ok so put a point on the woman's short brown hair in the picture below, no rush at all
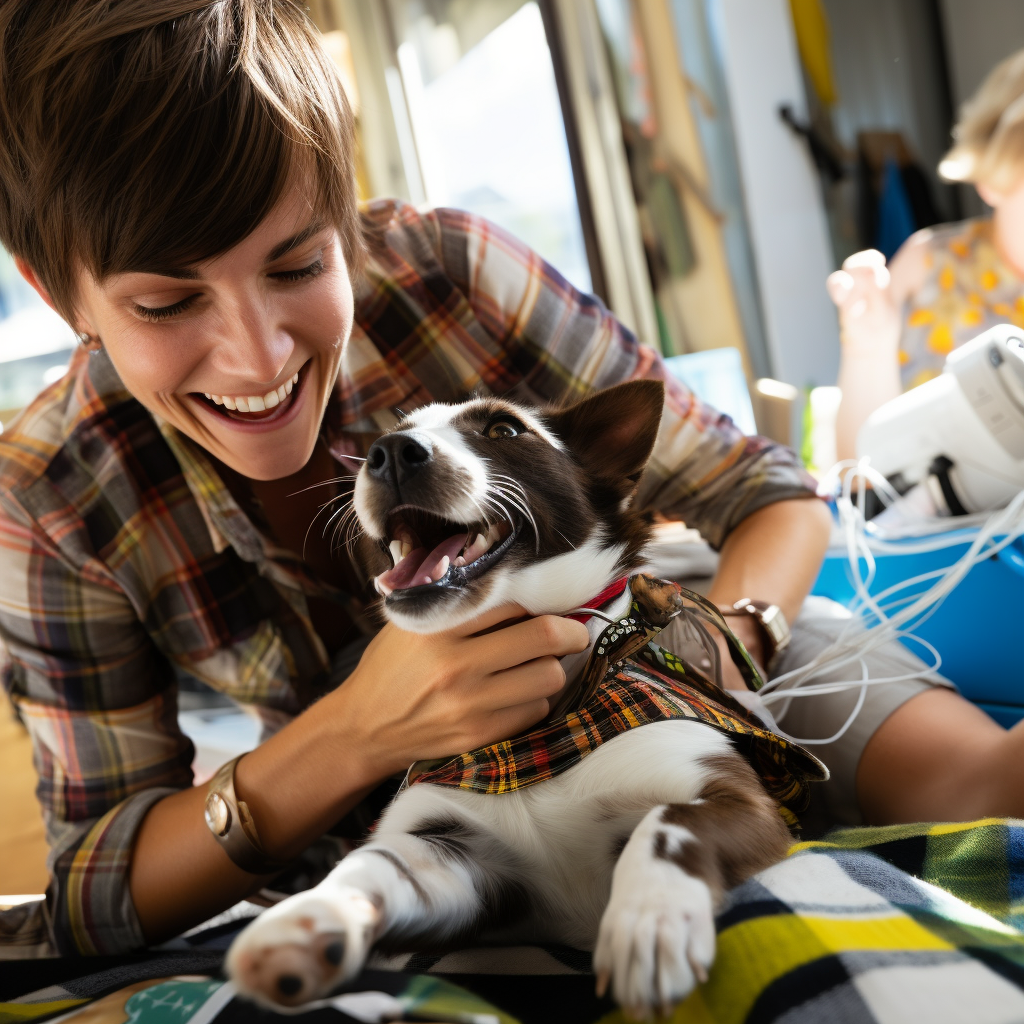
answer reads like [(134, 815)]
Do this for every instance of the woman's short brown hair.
[(145, 134), (989, 137)]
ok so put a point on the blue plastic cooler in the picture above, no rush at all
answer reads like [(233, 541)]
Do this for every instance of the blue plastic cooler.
[(978, 628)]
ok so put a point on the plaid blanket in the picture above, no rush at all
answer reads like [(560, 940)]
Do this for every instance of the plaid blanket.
[(868, 926), (897, 924)]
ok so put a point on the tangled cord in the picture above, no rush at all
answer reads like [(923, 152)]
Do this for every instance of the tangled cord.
[(889, 615)]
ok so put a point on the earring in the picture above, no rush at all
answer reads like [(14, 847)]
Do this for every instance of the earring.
[(90, 342)]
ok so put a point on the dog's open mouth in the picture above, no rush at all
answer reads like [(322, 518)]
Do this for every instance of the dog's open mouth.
[(430, 551)]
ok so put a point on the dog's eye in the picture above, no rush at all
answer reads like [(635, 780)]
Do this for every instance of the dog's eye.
[(503, 428)]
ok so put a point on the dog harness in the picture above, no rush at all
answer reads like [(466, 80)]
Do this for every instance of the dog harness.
[(629, 681)]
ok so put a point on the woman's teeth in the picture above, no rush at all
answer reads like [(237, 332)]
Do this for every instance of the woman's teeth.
[(255, 403)]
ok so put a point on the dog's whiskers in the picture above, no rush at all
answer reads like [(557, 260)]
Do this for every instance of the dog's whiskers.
[(348, 517), (512, 483), (566, 539), (519, 503), (347, 498), (324, 483), (344, 526)]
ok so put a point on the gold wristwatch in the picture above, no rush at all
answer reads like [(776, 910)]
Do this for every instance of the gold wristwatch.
[(229, 820), (774, 627)]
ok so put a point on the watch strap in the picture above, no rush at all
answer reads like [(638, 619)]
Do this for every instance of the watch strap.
[(774, 628), (230, 823)]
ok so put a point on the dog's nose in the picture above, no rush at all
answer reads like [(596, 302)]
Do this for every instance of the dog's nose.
[(396, 456)]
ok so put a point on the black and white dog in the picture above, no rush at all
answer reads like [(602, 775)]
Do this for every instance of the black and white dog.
[(626, 852)]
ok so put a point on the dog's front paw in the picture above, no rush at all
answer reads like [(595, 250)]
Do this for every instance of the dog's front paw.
[(655, 946), (304, 947)]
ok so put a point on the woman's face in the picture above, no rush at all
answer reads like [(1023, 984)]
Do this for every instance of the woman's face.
[(241, 352)]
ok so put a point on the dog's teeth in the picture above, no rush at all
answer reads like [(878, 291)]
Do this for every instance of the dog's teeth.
[(443, 567), (381, 587), (460, 562), (395, 547), (406, 547), (476, 548)]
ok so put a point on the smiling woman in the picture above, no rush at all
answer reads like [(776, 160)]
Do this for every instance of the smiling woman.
[(176, 180), (260, 326)]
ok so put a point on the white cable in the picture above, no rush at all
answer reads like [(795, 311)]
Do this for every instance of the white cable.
[(881, 618)]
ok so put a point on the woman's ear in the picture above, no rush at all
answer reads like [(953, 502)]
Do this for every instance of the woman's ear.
[(33, 279)]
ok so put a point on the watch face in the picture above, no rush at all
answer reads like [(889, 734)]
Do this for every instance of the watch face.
[(217, 814)]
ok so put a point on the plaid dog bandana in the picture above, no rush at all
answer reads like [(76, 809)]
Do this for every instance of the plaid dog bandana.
[(629, 681)]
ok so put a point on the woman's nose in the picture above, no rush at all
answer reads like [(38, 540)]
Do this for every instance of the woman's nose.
[(253, 346)]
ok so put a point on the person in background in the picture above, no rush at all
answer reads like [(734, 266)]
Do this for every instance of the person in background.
[(946, 284)]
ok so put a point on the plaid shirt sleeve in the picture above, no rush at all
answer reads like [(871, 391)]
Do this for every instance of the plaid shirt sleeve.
[(101, 709), (565, 344)]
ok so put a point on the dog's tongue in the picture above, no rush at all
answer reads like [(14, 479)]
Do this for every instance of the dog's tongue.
[(418, 567)]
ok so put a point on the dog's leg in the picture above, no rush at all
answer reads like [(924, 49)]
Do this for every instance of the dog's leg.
[(430, 875), (657, 936)]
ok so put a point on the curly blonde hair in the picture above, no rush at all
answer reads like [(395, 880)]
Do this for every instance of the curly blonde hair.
[(988, 140)]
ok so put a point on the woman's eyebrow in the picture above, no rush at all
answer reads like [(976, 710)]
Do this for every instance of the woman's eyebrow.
[(285, 247), (186, 273)]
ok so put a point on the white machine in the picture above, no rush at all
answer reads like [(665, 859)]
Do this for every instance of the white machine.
[(961, 434), (952, 446)]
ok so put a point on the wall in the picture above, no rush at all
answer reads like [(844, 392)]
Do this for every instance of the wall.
[(888, 65), (781, 189)]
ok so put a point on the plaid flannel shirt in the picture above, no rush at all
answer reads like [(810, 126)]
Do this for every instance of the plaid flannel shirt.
[(125, 561)]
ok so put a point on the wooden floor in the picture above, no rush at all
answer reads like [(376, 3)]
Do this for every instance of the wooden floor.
[(22, 846)]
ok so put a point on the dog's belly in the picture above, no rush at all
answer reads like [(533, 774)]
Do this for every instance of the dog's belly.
[(564, 835)]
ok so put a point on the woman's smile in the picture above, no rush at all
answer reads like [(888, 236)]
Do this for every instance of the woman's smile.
[(269, 411), (253, 348)]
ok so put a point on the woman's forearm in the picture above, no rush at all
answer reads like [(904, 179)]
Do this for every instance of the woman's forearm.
[(412, 696), (297, 785), (774, 555)]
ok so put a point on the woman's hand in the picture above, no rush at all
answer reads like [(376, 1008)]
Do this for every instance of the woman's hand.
[(416, 696), (869, 320)]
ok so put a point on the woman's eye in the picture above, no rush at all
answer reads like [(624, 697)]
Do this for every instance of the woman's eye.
[(314, 268), (154, 313), (162, 312), (503, 428)]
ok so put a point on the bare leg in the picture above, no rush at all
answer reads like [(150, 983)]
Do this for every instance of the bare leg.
[(657, 936), (939, 758)]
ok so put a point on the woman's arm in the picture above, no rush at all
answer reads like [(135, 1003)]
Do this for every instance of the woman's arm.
[(411, 697), (773, 555), (132, 859)]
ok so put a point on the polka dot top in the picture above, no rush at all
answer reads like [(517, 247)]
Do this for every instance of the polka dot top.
[(967, 289)]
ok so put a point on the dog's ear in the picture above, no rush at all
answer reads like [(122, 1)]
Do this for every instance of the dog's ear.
[(612, 433)]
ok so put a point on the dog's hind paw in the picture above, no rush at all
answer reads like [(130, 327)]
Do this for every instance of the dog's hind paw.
[(304, 947), (655, 947)]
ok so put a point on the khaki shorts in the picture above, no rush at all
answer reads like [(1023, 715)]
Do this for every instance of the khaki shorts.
[(835, 802)]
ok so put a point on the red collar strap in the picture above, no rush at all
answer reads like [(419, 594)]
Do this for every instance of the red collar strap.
[(612, 591)]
